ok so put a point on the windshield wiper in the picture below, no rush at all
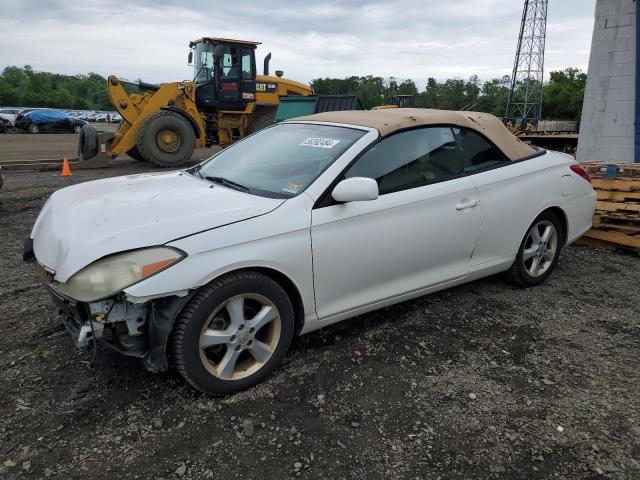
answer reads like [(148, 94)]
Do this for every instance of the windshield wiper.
[(228, 183)]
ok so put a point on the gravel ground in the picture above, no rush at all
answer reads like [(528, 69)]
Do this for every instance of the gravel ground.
[(480, 381)]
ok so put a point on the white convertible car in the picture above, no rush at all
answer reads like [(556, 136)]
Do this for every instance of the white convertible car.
[(296, 227)]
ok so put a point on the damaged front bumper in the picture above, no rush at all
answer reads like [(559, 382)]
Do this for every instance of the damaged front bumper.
[(74, 316), (135, 330), (86, 322)]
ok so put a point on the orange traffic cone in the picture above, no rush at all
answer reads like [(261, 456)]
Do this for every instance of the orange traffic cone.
[(66, 170)]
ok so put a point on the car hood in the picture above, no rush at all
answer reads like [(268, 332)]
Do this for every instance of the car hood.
[(85, 222)]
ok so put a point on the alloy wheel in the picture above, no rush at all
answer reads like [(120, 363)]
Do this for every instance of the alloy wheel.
[(540, 248), (240, 336)]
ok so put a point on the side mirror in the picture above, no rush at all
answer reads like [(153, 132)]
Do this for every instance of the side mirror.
[(355, 189), (190, 58)]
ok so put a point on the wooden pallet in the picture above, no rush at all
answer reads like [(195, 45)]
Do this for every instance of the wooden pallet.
[(599, 169), (604, 245), (618, 185), (617, 207), (616, 222)]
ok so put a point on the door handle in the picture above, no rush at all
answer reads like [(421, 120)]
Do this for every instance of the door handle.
[(467, 204)]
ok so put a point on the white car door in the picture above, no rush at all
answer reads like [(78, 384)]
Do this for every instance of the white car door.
[(421, 231)]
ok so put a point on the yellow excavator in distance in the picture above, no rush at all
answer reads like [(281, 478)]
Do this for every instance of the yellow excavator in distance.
[(225, 101), (397, 101)]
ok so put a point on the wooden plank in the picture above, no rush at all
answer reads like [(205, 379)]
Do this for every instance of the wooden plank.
[(620, 216), (614, 207), (613, 237), (621, 184), (626, 229), (593, 243), (617, 196), (625, 167)]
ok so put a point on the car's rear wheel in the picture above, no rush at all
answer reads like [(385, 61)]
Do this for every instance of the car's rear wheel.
[(77, 128), (233, 333), (33, 128), (539, 251)]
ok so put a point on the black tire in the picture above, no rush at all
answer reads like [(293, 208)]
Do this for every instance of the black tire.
[(77, 128), (519, 273), (88, 143), (185, 340), (33, 128), (135, 154), (170, 154)]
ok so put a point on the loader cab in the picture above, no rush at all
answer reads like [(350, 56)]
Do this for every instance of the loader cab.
[(402, 101), (224, 73)]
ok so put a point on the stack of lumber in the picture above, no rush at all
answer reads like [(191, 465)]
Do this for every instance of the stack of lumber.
[(616, 222)]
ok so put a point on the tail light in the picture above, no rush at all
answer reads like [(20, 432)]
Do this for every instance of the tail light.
[(580, 171)]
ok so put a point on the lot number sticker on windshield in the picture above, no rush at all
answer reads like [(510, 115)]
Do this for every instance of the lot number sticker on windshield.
[(317, 142), (292, 187)]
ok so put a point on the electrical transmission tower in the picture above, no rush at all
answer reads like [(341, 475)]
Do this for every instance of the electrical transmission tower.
[(525, 94)]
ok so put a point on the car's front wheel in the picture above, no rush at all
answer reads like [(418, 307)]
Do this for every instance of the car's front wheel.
[(33, 128), (539, 251), (77, 128), (233, 333)]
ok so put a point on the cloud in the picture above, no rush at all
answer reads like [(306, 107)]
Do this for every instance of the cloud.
[(405, 38)]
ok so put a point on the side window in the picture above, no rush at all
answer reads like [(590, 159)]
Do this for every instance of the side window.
[(409, 159), (229, 62), (247, 72), (476, 152)]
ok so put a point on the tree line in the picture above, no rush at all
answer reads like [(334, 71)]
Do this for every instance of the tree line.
[(562, 95), (24, 87)]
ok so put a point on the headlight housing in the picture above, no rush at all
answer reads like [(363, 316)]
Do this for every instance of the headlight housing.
[(114, 273)]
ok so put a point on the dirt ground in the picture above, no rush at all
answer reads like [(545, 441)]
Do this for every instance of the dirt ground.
[(24, 147), (480, 381)]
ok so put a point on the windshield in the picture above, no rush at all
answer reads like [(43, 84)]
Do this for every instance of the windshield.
[(280, 161), (203, 63)]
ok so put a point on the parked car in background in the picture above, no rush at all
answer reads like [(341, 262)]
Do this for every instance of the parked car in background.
[(46, 120), (101, 117), (5, 125), (301, 225), (9, 114)]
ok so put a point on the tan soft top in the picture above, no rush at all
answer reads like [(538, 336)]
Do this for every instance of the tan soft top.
[(388, 121)]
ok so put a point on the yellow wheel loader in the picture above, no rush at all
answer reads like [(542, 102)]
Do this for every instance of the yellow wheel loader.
[(225, 101), (397, 101)]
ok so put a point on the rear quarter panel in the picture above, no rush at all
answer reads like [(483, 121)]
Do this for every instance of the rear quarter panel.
[(511, 197)]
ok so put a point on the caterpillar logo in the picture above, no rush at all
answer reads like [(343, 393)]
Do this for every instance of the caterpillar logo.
[(266, 87)]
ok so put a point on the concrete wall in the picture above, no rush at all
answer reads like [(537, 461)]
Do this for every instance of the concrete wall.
[(607, 128)]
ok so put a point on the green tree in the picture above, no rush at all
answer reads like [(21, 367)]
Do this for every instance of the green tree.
[(563, 96), (24, 87)]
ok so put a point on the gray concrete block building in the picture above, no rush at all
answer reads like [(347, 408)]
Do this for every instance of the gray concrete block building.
[(611, 103)]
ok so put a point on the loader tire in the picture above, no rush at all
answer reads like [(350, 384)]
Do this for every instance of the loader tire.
[(165, 139), (87, 143), (135, 154)]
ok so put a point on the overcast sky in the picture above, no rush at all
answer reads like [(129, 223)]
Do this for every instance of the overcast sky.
[(316, 38)]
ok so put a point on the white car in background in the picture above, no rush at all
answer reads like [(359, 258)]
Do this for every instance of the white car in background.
[(298, 226), (9, 114)]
